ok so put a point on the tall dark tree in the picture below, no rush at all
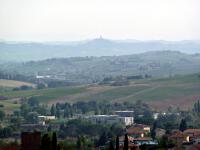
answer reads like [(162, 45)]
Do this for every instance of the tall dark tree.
[(111, 146), (126, 142), (117, 143), (79, 144), (153, 130), (183, 125), (2, 115), (33, 102), (198, 107), (58, 147), (103, 139), (58, 112), (54, 141), (53, 110), (66, 113), (45, 142)]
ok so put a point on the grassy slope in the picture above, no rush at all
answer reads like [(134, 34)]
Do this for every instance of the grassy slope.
[(12, 83), (179, 91)]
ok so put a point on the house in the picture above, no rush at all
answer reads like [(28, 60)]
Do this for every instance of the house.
[(194, 135), (145, 128), (138, 130), (160, 132), (43, 119), (179, 137), (192, 132), (127, 121), (47, 117), (144, 140), (131, 144), (155, 115), (135, 132)]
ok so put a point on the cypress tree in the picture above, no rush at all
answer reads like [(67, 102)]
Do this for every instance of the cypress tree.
[(126, 142), (58, 147), (103, 139), (117, 143), (153, 131), (54, 141), (183, 125), (53, 110), (58, 112), (45, 142), (111, 146)]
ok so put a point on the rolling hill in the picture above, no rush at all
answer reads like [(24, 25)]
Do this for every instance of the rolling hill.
[(19, 51), (95, 69), (160, 93)]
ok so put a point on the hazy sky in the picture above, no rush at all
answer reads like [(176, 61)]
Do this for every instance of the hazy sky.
[(62, 20)]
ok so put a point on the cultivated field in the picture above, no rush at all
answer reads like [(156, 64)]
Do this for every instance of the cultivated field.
[(12, 83), (178, 91)]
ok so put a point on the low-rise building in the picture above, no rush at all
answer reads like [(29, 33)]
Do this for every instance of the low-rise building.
[(43, 119), (194, 135), (179, 137), (131, 144), (135, 132), (126, 113), (145, 140), (110, 119)]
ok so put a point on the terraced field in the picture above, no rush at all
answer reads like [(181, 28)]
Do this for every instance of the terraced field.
[(178, 91)]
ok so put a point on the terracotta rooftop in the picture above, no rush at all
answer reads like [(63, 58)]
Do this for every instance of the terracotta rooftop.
[(177, 134), (134, 130), (192, 131), (141, 125)]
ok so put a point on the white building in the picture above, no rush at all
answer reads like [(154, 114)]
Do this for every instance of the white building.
[(126, 113), (127, 121), (110, 119), (42, 119)]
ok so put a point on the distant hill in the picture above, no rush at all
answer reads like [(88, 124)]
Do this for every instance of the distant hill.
[(89, 69), (13, 51)]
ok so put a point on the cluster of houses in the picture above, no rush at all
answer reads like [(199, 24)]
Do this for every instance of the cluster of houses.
[(186, 140), (138, 134)]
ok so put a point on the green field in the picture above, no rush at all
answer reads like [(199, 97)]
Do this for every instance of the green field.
[(44, 94), (178, 91)]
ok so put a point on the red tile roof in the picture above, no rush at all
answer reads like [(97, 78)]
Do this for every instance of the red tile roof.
[(134, 130)]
